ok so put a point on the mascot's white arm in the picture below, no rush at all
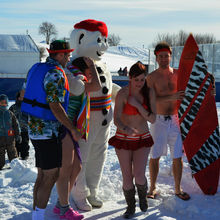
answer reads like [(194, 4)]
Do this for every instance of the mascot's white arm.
[(115, 89), (76, 85)]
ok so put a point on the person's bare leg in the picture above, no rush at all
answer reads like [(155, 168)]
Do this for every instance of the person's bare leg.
[(63, 182), (36, 186), (140, 158), (154, 170), (177, 173), (49, 177), (75, 170), (125, 160)]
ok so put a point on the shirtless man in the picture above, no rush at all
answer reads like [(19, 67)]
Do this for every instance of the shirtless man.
[(165, 130)]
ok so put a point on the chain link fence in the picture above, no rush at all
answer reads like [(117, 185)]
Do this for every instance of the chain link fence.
[(211, 55)]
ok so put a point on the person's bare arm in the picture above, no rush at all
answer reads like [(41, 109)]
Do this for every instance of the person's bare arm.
[(115, 89), (94, 84), (145, 113), (175, 96), (62, 117), (152, 116), (118, 109), (179, 95)]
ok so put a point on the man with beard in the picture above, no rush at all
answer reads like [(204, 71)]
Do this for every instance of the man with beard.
[(166, 130), (23, 146)]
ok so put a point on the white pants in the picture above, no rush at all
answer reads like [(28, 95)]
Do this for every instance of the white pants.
[(166, 132)]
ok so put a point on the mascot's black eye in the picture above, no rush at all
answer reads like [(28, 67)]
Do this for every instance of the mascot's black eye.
[(80, 38), (99, 40), (105, 40)]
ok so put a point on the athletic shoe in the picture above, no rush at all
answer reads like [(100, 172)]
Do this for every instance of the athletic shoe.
[(75, 215), (56, 210), (72, 215)]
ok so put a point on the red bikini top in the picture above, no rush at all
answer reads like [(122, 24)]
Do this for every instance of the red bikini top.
[(130, 109)]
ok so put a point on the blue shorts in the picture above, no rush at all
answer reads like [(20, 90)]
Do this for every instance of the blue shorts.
[(48, 153)]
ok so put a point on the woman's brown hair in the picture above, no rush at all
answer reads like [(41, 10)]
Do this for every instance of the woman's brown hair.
[(80, 63), (136, 70)]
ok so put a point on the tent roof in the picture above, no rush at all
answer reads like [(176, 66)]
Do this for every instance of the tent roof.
[(17, 43)]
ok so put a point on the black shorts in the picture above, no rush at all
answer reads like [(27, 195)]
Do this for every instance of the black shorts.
[(48, 153)]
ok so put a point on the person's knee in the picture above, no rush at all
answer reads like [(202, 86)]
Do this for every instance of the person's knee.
[(66, 168), (139, 178), (50, 177), (154, 161), (177, 160)]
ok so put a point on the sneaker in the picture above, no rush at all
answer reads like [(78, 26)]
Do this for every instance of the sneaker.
[(95, 201), (72, 215), (56, 210), (83, 204)]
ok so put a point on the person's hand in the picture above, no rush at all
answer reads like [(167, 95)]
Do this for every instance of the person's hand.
[(178, 95), (213, 91), (76, 134), (133, 101), (130, 131)]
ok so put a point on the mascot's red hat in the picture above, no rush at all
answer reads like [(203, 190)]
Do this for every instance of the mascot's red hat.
[(93, 25)]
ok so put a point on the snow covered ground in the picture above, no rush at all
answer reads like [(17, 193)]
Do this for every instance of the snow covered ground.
[(122, 56), (17, 181)]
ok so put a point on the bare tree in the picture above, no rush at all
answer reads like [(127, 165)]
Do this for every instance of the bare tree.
[(180, 38), (48, 30), (205, 38), (113, 40)]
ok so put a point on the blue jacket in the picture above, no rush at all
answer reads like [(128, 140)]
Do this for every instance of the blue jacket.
[(34, 102)]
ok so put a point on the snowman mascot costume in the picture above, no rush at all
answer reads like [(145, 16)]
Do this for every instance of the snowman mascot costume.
[(89, 38)]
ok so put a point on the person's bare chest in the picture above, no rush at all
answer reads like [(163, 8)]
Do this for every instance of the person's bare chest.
[(165, 84)]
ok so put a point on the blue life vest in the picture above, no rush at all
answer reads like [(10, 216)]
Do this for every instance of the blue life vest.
[(34, 102)]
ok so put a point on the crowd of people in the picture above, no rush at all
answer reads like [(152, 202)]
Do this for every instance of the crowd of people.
[(48, 110)]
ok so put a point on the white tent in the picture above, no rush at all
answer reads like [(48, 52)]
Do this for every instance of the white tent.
[(17, 54)]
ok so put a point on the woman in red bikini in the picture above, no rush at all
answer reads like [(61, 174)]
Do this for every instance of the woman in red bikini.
[(134, 107)]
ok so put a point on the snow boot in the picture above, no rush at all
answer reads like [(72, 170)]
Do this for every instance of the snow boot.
[(95, 201), (142, 193), (83, 204), (130, 199)]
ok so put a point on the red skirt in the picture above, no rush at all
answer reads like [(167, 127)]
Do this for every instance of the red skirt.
[(123, 141)]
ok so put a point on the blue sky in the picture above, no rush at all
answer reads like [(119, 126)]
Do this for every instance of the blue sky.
[(136, 22)]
